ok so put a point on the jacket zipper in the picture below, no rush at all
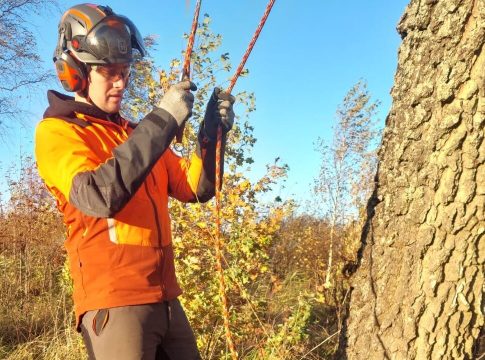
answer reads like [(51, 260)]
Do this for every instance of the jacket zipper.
[(162, 260), (159, 234)]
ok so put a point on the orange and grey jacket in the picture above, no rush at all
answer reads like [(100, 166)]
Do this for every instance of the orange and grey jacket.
[(112, 180)]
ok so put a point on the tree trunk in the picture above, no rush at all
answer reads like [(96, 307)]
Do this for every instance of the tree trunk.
[(328, 280), (418, 292)]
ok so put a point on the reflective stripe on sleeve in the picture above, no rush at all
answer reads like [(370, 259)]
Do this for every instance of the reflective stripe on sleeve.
[(112, 231)]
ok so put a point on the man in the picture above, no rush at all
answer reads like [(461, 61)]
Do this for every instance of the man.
[(112, 179)]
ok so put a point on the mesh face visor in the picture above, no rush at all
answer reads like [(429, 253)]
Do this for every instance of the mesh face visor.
[(111, 41)]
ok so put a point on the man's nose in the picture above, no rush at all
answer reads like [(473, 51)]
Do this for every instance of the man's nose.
[(121, 83)]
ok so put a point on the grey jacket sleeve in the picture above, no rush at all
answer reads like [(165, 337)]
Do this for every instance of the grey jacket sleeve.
[(106, 190)]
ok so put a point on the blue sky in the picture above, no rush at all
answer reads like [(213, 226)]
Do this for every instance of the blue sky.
[(308, 56)]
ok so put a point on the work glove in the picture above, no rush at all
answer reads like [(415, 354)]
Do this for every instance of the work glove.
[(219, 111), (178, 101)]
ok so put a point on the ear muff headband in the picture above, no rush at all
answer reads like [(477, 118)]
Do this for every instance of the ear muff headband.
[(71, 74)]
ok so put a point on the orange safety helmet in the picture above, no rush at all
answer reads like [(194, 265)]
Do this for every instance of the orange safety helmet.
[(93, 34)]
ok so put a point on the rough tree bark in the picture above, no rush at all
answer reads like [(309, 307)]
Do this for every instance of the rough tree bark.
[(419, 290)]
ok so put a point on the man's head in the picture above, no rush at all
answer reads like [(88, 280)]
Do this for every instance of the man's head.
[(94, 52), (105, 86)]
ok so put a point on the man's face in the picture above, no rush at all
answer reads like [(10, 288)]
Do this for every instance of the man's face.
[(107, 84)]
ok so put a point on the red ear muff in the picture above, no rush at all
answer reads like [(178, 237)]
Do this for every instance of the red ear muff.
[(70, 73)]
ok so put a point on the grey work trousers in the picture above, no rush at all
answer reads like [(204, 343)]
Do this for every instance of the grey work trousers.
[(158, 331)]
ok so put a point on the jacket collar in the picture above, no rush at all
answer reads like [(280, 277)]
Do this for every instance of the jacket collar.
[(65, 106)]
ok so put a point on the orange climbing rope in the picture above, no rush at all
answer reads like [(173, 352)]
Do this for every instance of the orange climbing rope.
[(219, 246), (219, 243), (190, 42), (188, 54), (222, 289), (250, 46), (219, 239)]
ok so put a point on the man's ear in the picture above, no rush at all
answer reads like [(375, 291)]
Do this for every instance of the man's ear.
[(83, 95), (88, 72), (85, 92)]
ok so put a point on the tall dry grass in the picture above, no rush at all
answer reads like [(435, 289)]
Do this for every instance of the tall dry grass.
[(36, 318)]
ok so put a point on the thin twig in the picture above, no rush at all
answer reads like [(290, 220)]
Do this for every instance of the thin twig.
[(323, 342)]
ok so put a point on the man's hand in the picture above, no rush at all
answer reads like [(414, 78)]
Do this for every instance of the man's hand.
[(219, 111), (178, 101)]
